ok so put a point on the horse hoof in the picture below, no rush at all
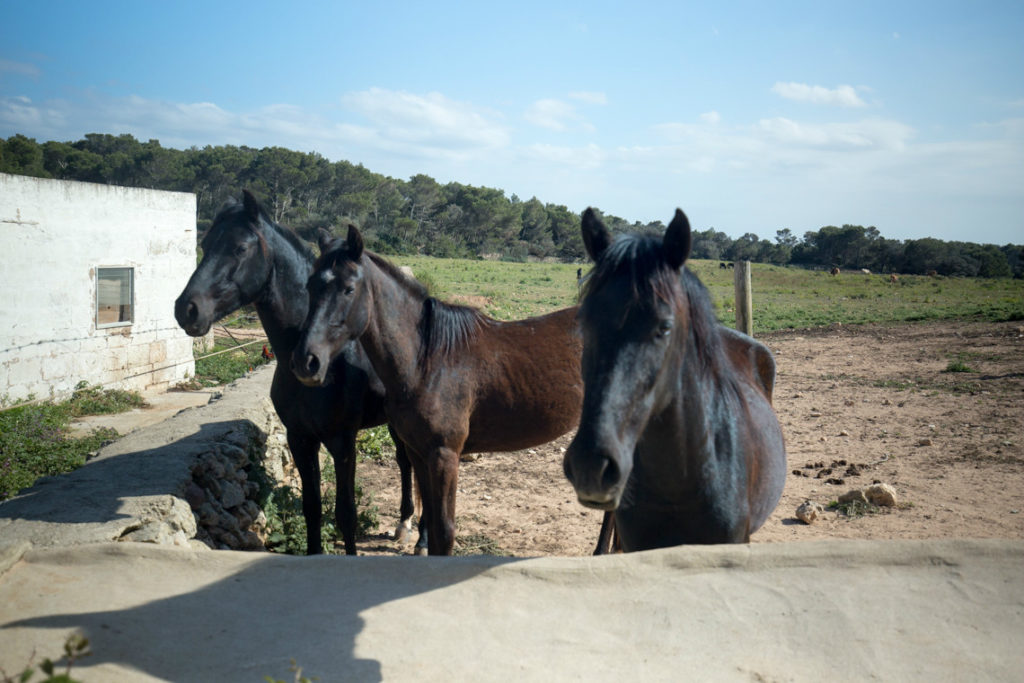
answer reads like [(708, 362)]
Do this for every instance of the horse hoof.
[(421, 551), (402, 532)]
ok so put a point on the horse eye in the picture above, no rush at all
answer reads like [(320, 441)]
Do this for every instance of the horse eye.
[(664, 328), (349, 290)]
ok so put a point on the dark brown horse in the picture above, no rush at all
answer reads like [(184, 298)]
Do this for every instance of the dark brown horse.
[(457, 381), (677, 435), (247, 258)]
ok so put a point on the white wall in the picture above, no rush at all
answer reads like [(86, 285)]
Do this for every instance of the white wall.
[(53, 236)]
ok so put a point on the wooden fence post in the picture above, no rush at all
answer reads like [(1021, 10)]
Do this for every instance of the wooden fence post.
[(744, 298)]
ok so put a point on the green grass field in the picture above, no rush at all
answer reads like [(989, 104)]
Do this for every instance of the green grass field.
[(784, 297)]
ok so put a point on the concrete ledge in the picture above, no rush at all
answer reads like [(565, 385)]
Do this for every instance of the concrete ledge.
[(11, 552), (846, 610)]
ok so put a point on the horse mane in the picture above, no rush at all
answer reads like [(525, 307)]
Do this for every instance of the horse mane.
[(641, 259), (444, 328)]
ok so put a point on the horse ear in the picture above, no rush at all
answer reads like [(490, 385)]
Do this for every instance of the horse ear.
[(676, 243), (596, 237), (252, 207), (355, 243), (323, 239)]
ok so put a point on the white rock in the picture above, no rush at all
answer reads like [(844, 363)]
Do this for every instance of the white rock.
[(882, 495), (809, 511)]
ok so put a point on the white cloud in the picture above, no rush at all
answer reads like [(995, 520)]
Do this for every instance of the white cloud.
[(556, 115), (587, 157), (20, 68), (589, 97), (843, 95), (868, 134), (711, 117), (431, 120)]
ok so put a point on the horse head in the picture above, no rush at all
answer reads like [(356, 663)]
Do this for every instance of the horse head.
[(634, 322), (338, 306), (234, 271)]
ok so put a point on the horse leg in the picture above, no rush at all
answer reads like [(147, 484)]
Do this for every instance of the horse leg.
[(604, 538), (343, 450), (406, 507), (426, 493), (305, 454), (443, 466)]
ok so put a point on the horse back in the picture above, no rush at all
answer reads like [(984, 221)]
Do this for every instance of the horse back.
[(754, 362), (752, 359), (528, 387)]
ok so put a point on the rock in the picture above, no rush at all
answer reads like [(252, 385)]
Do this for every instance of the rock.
[(809, 511), (232, 495), (924, 442), (882, 495), (853, 496)]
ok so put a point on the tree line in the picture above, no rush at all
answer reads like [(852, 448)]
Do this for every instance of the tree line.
[(305, 191)]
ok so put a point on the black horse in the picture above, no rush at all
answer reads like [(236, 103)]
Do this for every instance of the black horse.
[(678, 435), (247, 258)]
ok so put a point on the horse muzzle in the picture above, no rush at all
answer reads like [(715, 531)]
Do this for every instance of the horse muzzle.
[(188, 311), (595, 474), (308, 368)]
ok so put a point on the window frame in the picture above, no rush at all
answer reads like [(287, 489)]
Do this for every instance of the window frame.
[(100, 271)]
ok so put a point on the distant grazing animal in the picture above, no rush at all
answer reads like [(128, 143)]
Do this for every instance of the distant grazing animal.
[(932, 273), (457, 380), (722, 266), (678, 435), (894, 278), (834, 271), (865, 271), (249, 259)]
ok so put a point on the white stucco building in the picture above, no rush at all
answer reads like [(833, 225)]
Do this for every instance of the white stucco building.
[(90, 273)]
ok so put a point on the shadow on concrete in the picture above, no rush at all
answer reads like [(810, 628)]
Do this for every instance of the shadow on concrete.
[(251, 622)]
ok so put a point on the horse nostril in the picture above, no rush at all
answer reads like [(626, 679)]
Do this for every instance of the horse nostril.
[(312, 365), (610, 474), (191, 312)]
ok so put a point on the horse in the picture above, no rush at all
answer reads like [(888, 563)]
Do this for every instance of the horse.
[(247, 258), (834, 271), (457, 380), (678, 435)]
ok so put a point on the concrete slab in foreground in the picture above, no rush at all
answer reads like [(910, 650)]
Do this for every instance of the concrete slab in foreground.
[(837, 610)]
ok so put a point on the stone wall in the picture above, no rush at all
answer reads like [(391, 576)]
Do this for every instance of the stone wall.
[(227, 479)]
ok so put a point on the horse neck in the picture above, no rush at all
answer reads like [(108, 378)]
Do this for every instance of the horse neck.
[(283, 301), (392, 336)]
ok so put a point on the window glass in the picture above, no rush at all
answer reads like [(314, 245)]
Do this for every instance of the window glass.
[(113, 296)]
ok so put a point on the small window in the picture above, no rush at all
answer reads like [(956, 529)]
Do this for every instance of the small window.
[(114, 296)]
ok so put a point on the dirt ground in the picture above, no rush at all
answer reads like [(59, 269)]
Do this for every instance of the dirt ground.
[(857, 404)]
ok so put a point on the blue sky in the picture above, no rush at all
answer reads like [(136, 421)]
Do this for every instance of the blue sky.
[(752, 117)]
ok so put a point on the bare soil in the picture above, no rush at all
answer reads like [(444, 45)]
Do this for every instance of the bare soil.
[(857, 404)]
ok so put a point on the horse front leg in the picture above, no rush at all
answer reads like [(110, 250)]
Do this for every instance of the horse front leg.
[(407, 506), (343, 450), (606, 538), (305, 453), (443, 466)]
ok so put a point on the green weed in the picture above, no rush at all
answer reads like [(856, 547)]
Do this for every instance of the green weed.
[(227, 367), (35, 441)]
